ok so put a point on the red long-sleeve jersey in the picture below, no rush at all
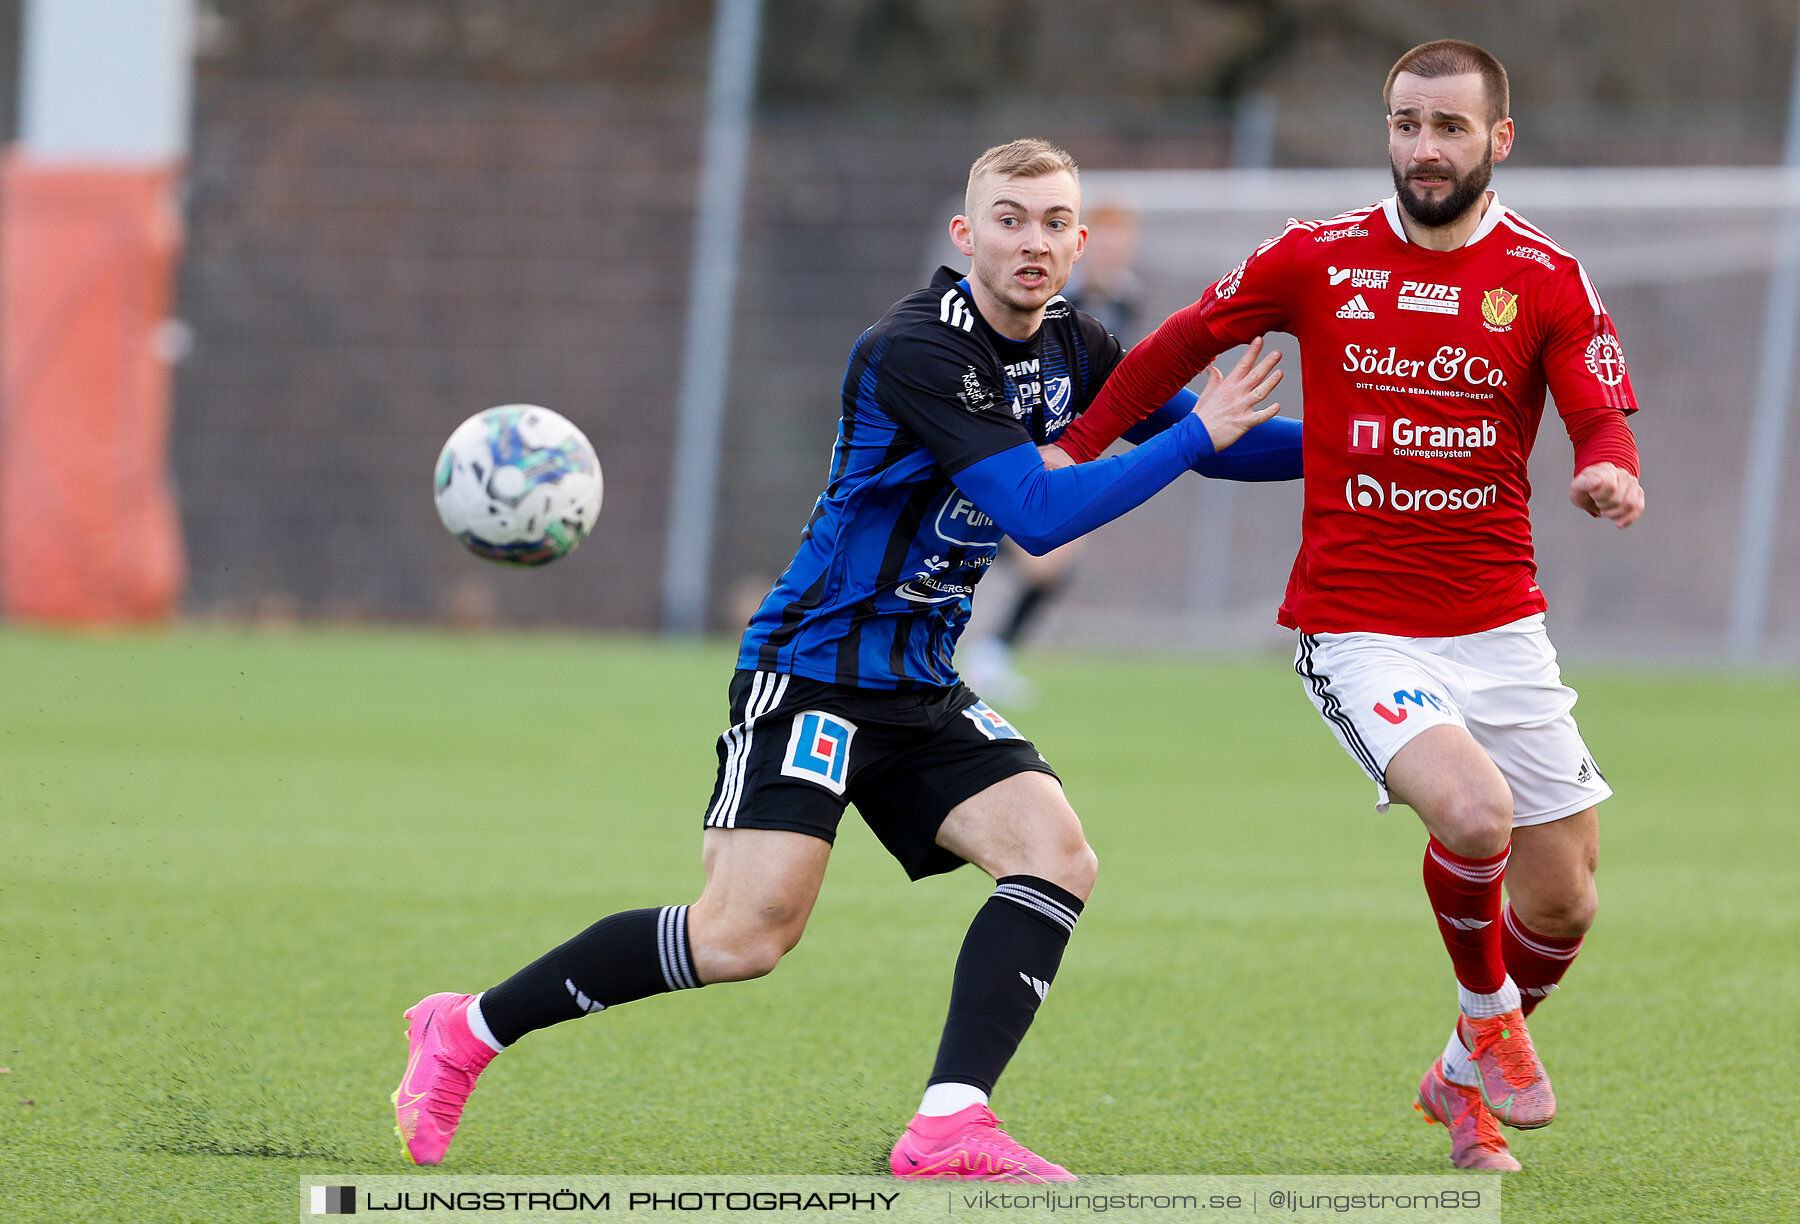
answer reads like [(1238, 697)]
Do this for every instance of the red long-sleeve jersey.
[(1425, 374)]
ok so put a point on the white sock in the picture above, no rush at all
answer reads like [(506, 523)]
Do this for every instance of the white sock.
[(1459, 1068), (478, 1025), (1484, 1006), (942, 1100)]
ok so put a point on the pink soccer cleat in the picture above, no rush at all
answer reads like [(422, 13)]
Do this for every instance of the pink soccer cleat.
[(1514, 1084), (445, 1057), (969, 1145), (1475, 1139)]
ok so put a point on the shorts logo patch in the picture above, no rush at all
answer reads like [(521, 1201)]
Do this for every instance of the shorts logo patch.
[(819, 750), (1419, 697), (989, 722)]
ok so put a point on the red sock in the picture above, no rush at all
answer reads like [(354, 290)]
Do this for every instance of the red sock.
[(1536, 962), (1466, 897)]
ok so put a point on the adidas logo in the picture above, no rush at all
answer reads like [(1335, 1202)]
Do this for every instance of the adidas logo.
[(581, 1000), (1042, 988), (1467, 924), (1355, 308), (1586, 772)]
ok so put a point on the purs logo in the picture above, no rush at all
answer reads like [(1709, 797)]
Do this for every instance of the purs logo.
[(1430, 298)]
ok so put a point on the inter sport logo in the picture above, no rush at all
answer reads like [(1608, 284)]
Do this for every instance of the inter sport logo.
[(1359, 278)]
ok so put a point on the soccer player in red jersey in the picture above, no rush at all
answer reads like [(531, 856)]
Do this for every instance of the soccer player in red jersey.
[(1431, 326)]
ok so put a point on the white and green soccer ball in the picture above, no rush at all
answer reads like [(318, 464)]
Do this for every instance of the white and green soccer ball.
[(518, 484)]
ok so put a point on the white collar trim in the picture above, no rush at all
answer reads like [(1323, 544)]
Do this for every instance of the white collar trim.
[(1490, 220)]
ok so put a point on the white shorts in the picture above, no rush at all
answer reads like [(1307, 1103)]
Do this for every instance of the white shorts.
[(1376, 691)]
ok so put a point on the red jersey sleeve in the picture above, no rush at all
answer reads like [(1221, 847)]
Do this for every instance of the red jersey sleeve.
[(1584, 368), (1243, 304), (1583, 361), (1601, 435)]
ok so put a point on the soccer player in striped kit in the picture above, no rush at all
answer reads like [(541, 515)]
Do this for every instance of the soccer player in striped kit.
[(1431, 326), (845, 691)]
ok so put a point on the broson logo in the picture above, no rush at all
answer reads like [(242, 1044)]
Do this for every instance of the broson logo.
[(1365, 493)]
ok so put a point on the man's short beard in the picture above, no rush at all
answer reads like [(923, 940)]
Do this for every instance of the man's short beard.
[(1463, 194)]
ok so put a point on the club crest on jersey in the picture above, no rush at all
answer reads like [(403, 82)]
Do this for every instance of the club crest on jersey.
[(988, 721), (1499, 308), (819, 750), (1606, 360)]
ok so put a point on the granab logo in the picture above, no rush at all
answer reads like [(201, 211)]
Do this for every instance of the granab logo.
[(1366, 433)]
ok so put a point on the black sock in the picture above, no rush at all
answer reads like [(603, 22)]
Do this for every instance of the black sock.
[(628, 956), (1008, 961)]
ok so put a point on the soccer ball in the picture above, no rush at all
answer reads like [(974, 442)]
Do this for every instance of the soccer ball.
[(518, 484)]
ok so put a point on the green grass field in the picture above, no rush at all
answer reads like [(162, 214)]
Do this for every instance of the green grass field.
[(232, 859)]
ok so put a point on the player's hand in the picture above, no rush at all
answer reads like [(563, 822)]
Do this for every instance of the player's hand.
[(1606, 490), (1055, 457), (1228, 404)]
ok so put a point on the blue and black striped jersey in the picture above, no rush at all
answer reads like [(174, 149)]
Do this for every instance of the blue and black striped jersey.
[(889, 558)]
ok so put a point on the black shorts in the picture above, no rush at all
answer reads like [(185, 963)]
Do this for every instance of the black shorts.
[(799, 750)]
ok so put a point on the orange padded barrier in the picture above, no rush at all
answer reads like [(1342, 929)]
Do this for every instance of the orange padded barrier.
[(88, 528)]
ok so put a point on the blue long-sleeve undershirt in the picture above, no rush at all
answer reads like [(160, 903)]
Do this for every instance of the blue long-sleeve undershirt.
[(1270, 451), (1043, 509)]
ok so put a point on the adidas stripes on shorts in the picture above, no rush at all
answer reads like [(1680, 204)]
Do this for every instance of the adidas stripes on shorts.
[(1376, 691), (798, 750)]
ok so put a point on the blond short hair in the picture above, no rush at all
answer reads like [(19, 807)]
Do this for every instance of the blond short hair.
[(1028, 158)]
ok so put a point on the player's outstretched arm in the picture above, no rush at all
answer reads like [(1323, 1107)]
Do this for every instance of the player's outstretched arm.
[(1606, 490), (1042, 508), (1230, 406)]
